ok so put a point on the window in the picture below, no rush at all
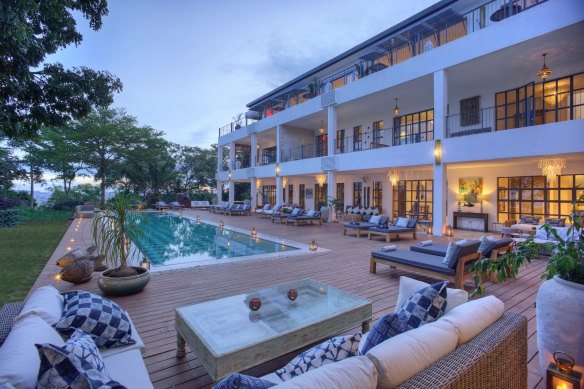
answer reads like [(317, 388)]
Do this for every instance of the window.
[(340, 141), (534, 196), (321, 145), (470, 111), (301, 195), (357, 138), (290, 193), (357, 193), (339, 82), (377, 135), (413, 198), (269, 194), (413, 128), (341, 192), (377, 194), (320, 194), (269, 155)]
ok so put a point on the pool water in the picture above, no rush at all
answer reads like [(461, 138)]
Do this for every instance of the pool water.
[(170, 240)]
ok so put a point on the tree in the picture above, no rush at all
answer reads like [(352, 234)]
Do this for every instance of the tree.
[(197, 167), (10, 169), (33, 94), (33, 159)]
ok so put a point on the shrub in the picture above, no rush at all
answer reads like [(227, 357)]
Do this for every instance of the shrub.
[(10, 217), (6, 203)]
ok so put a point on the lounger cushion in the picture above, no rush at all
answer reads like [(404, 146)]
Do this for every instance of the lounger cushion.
[(412, 223), (415, 259), (432, 249), (556, 222), (402, 222), (464, 249), (487, 244), (383, 219), (360, 226), (311, 213), (295, 212), (375, 219), (408, 286)]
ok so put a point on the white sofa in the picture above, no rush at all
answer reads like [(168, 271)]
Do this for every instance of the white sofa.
[(19, 359), (446, 353)]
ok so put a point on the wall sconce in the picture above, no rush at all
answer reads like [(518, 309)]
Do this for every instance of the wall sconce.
[(396, 109), (221, 224), (198, 219), (313, 246), (277, 170), (437, 152), (253, 232), (230, 175), (561, 375), (321, 128), (145, 263)]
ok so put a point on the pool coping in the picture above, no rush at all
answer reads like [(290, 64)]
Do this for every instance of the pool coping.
[(302, 250)]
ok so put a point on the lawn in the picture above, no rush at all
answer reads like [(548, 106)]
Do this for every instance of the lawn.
[(24, 252), (46, 213)]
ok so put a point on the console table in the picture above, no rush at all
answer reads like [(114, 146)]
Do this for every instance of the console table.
[(474, 215)]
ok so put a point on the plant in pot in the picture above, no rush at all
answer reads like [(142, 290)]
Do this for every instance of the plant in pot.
[(560, 299), (337, 206), (113, 231)]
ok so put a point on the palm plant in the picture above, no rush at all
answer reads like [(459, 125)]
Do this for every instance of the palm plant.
[(113, 230)]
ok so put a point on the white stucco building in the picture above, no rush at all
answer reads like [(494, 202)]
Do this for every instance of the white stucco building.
[(471, 108)]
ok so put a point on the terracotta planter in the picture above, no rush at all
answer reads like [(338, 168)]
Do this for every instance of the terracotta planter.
[(560, 321), (122, 286)]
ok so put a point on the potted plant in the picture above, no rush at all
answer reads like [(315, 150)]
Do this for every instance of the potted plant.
[(113, 231), (560, 299), (337, 206)]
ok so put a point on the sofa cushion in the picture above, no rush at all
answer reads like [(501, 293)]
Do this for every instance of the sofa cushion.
[(332, 350), (424, 306), (386, 327), (409, 286), (402, 222), (242, 381), (97, 316), (403, 356), (556, 222), (45, 302), (311, 213), (487, 244), (473, 317), (412, 223), (351, 373), (19, 357), (374, 219), (83, 346), (128, 369)]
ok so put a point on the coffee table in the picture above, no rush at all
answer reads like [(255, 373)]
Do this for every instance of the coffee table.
[(228, 337)]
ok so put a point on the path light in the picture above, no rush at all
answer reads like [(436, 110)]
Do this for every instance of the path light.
[(72, 240), (145, 263), (68, 248), (57, 277), (253, 232), (313, 245), (561, 375), (544, 71), (77, 229)]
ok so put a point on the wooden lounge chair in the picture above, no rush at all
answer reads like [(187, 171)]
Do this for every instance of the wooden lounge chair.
[(363, 226), (243, 210), (176, 205), (311, 216), (261, 210), (200, 204), (394, 230), (432, 265), (161, 205), (270, 212), (283, 216)]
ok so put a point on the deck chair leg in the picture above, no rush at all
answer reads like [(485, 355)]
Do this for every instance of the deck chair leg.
[(388, 238), (372, 266), (358, 233), (414, 234), (369, 235), (344, 231)]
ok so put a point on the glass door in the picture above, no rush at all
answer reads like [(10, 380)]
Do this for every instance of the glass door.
[(525, 106)]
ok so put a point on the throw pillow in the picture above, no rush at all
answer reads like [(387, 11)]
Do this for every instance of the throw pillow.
[(542, 234), (242, 381), (311, 213), (78, 364), (375, 219), (412, 223), (487, 244), (452, 251), (97, 316), (332, 350), (369, 211), (402, 222), (555, 222), (388, 326), (376, 211), (424, 306), (295, 212)]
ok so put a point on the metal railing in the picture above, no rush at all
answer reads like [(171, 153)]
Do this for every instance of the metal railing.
[(365, 141), (302, 152), (471, 122), (236, 125), (224, 167), (241, 164)]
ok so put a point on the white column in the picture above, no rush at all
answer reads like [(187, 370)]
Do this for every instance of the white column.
[(219, 157), (279, 184), (254, 149), (232, 156), (219, 191), (332, 129), (440, 187), (253, 183), (278, 147), (231, 192), (331, 189)]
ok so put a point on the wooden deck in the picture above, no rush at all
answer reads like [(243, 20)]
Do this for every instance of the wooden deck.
[(345, 267)]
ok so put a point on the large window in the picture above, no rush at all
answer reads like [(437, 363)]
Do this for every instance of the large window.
[(470, 110), (269, 194), (320, 193), (357, 138), (340, 141), (413, 128), (301, 195), (321, 146), (269, 155), (357, 193), (547, 102), (377, 194), (377, 140), (413, 198), (534, 196), (290, 193), (341, 192)]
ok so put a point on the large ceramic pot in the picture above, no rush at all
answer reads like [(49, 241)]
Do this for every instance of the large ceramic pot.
[(324, 214), (560, 321), (122, 286)]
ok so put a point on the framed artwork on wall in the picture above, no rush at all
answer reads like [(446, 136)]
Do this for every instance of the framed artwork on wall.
[(309, 193), (470, 188)]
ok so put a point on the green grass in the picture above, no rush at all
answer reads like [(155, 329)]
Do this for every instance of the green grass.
[(24, 252), (45, 213)]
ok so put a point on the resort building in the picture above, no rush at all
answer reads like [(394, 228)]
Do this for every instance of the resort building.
[(470, 108)]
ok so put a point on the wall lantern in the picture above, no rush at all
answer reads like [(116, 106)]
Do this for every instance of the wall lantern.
[(230, 175), (396, 109), (561, 375), (544, 71), (437, 152), (145, 263), (321, 128), (277, 170), (313, 246), (253, 232)]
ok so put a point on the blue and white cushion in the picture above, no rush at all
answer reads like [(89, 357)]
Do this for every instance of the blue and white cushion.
[(242, 381), (424, 306), (332, 350), (78, 364), (105, 320), (387, 327)]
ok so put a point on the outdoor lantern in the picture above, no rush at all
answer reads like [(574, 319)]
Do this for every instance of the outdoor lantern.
[(198, 218), (321, 129), (255, 304), (221, 224), (313, 246), (292, 294), (437, 152), (561, 375), (277, 170), (459, 197), (449, 231), (544, 71), (145, 263), (396, 109), (180, 214), (77, 229), (253, 232), (430, 229)]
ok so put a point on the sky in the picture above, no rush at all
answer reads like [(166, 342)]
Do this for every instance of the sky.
[(189, 67)]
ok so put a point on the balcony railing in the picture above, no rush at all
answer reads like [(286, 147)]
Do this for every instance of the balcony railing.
[(365, 141), (470, 123), (241, 163), (303, 152), (236, 125)]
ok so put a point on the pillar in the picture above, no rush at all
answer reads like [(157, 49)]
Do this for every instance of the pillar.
[(279, 184), (254, 149), (331, 129), (331, 189), (253, 184), (219, 191), (440, 188), (219, 158)]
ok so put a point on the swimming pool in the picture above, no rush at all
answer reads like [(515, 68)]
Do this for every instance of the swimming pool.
[(171, 240)]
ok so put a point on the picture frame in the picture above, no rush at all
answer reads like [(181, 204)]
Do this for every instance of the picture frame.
[(470, 188), (309, 194)]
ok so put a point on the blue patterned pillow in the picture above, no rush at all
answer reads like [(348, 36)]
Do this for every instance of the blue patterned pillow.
[(332, 350), (78, 364), (424, 306), (105, 320), (242, 381), (387, 327)]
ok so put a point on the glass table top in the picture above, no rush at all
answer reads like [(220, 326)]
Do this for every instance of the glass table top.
[(228, 324)]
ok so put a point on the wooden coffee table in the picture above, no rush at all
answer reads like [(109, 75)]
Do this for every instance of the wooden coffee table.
[(228, 337)]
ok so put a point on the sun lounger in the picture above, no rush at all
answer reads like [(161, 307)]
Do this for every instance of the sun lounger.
[(176, 205), (270, 212), (261, 210), (243, 210), (161, 205), (311, 216), (432, 265), (283, 216), (363, 226), (498, 247), (394, 230)]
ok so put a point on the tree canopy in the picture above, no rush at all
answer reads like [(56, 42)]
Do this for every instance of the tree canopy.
[(34, 93)]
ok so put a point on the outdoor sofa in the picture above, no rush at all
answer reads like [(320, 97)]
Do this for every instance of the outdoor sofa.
[(84, 211), (456, 270), (284, 216), (400, 226), (19, 358), (176, 205), (311, 216), (364, 226)]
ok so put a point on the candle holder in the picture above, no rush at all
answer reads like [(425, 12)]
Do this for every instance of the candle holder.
[(255, 304), (561, 374), (145, 263), (292, 294), (313, 246), (430, 230), (253, 232), (198, 219), (221, 224)]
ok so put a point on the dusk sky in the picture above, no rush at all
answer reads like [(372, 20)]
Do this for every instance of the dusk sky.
[(188, 67)]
